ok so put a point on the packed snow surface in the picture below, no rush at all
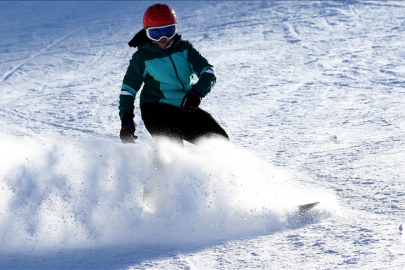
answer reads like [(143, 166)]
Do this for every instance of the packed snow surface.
[(312, 95)]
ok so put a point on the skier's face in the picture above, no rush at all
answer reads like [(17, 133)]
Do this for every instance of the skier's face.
[(163, 42)]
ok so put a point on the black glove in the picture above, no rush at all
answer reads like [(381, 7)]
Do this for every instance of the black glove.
[(127, 133), (191, 101)]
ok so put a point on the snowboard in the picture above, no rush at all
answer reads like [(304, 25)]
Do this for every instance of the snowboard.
[(306, 207)]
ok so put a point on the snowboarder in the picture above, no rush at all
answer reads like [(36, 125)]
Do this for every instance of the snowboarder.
[(170, 97)]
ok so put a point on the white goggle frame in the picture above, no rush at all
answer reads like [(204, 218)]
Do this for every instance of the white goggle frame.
[(157, 27)]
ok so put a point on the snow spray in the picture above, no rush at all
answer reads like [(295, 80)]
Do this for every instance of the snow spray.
[(99, 192)]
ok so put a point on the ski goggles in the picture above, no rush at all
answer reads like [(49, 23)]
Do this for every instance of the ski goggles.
[(157, 33)]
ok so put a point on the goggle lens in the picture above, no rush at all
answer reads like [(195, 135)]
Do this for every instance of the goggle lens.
[(157, 33)]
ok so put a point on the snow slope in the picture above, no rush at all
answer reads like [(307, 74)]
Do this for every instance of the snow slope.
[(311, 94)]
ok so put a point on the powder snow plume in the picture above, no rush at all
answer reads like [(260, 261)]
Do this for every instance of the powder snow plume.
[(99, 192)]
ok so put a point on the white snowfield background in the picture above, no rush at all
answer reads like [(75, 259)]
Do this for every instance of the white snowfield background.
[(311, 93)]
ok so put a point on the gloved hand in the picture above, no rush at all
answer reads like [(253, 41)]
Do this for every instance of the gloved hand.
[(127, 133), (191, 101)]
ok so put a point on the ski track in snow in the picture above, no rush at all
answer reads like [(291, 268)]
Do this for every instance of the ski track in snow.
[(9, 73), (311, 93)]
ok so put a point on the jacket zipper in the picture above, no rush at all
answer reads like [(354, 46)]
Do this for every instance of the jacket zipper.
[(177, 75)]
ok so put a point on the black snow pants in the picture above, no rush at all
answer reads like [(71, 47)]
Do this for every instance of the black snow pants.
[(169, 121)]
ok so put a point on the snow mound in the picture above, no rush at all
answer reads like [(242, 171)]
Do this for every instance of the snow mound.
[(99, 192)]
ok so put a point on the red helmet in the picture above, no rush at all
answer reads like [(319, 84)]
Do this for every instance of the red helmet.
[(159, 15)]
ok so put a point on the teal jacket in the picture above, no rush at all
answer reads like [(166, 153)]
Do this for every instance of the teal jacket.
[(166, 74)]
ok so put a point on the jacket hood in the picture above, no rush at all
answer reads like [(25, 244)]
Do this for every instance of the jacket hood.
[(138, 39)]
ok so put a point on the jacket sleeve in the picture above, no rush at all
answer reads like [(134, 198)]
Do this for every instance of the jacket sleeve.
[(204, 71), (132, 83)]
